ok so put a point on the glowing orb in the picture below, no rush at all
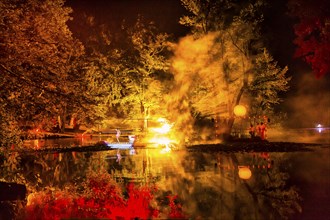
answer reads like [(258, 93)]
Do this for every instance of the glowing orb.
[(239, 110), (244, 173)]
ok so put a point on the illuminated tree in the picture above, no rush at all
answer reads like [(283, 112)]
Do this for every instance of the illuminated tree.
[(39, 61), (312, 32), (125, 69), (237, 66), (144, 66)]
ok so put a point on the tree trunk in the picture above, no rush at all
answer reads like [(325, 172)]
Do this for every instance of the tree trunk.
[(62, 118), (63, 121)]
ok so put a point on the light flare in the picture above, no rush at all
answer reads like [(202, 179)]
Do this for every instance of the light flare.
[(161, 136), (319, 128), (163, 129)]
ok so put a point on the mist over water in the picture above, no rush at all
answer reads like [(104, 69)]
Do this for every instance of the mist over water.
[(307, 107)]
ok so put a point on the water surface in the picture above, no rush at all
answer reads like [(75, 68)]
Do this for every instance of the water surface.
[(209, 185)]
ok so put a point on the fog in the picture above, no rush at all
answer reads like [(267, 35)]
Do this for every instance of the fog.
[(307, 106), (196, 65), (192, 64)]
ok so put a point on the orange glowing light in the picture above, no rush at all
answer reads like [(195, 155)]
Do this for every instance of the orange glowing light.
[(161, 136), (165, 150), (239, 110), (244, 173), (163, 130), (160, 140)]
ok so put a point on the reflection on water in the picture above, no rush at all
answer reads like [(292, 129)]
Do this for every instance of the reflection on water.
[(64, 142), (260, 185)]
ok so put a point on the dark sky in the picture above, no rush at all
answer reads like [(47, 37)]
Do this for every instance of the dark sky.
[(165, 13)]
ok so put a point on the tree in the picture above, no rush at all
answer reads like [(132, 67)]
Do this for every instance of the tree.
[(126, 69), (312, 32), (39, 61), (145, 64), (268, 81), (236, 60)]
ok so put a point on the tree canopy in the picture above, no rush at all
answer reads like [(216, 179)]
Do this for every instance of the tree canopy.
[(39, 61), (236, 66), (49, 73)]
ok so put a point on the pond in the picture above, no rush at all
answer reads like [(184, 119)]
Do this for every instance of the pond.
[(190, 184)]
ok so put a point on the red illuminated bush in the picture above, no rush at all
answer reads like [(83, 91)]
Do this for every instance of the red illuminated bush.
[(100, 198)]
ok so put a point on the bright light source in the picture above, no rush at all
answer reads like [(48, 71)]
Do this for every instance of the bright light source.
[(167, 149), (319, 128), (162, 120), (244, 173), (161, 136), (239, 110)]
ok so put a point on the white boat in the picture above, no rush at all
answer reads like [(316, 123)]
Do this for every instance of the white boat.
[(122, 145), (119, 145)]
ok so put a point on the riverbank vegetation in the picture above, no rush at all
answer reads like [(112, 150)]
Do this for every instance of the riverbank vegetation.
[(53, 77)]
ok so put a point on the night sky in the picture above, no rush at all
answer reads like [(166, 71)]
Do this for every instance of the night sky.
[(165, 13)]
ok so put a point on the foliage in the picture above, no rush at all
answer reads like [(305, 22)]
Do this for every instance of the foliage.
[(145, 65), (100, 198), (312, 31), (102, 63), (9, 132), (126, 75), (211, 16), (39, 61), (207, 16), (276, 191), (267, 82), (235, 66)]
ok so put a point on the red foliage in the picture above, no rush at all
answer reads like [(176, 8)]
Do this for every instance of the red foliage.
[(176, 209), (101, 200), (314, 45), (312, 34)]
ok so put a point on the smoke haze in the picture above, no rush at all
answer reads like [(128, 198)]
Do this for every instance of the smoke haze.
[(307, 105)]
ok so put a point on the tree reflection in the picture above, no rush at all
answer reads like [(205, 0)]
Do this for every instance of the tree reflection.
[(205, 184), (63, 185), (210, 186)]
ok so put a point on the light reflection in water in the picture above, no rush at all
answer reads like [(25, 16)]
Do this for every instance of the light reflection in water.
[(207, 184)]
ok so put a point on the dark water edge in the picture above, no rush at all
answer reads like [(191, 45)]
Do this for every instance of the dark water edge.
[(239, 146), (263, 146), (311, 172)]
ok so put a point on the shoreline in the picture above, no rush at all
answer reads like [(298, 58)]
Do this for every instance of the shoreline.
[(228, 147)]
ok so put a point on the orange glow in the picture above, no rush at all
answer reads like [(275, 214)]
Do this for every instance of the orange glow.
[(244, 173), (36, 144), (167, 149), (239, 110), (160, 136), (29, 199), (163, 129), (160, 140)]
